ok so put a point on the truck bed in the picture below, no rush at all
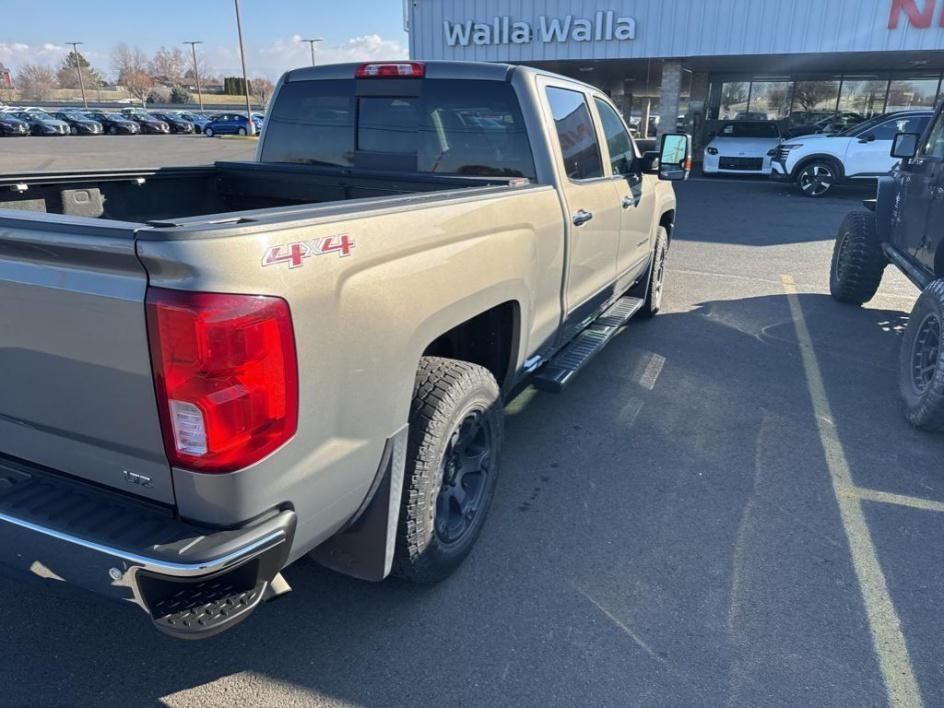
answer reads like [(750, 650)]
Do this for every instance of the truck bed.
[(174, 193)]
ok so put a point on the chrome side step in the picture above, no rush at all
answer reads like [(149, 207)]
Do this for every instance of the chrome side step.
[(560, 370)]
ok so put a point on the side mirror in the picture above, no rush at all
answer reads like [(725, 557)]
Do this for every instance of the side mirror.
[(905, 145), (867, 138), (675, 157)]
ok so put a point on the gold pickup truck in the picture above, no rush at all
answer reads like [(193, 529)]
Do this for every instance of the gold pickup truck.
[(209, 372)]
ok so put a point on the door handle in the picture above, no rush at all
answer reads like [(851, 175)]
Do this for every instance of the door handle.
[(582, 217), (628, 202)]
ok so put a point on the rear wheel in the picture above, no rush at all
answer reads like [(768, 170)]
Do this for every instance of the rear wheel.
[(242, 131), (858, 261), (921, 372), (456, 426), (816, 178)]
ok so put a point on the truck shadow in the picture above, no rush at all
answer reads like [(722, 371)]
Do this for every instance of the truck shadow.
[(657, 532)]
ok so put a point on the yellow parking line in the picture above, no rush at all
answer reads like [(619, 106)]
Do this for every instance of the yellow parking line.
[(887, 638), (877, 495)]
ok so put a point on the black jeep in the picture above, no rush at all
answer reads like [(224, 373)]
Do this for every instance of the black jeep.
[(905, 227)]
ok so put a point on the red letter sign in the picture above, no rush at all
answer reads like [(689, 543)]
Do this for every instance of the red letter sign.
[(921, 20)]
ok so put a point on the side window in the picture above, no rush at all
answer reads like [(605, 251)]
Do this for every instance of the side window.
[(618, 141), (575, 133), (934, 147), (889, 129)]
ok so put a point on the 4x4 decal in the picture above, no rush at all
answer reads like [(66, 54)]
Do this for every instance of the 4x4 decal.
[(295, 253)]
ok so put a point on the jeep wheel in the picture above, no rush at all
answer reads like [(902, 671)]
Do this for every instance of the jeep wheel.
[(817, 178), (858, 261), (650, 290), (456, 424), (921, 374)]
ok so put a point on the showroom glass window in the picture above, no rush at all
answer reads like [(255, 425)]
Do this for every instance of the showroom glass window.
[(459, 128), (770, 100), (618, 142), (815, 95), (919, 92), (575, 133), (863, 96), (734, 95)]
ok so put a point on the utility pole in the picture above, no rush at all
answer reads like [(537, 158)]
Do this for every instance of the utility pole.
[(196, 71), (242, 57), (78, 68), (311, 44)]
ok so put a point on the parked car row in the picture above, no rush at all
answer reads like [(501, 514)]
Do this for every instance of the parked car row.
[(817, 161), (128, 121)]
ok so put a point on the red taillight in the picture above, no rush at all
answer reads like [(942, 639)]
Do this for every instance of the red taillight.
[(392, 70), (226, 376)]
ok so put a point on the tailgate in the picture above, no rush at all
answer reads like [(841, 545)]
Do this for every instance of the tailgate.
[(76, 393)]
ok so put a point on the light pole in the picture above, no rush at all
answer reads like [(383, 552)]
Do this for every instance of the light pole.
[(78, 68), (311, 44), (196, 71), (242, 58)]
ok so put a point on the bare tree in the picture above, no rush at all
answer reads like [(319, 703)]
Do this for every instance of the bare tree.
[(733, 94), (169, 65), (131, 65), (811, 94), (261, 89), (36, 81)]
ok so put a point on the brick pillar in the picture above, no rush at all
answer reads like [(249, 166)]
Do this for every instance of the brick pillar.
[(669, 95)]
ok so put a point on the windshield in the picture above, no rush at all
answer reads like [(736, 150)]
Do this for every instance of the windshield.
[(749, 129), (459, 128)]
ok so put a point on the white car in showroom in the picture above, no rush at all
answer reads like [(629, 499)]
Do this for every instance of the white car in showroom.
[(817, 163), (742, 147)]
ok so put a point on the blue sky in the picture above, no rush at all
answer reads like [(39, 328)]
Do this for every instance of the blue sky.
[(35, 30)]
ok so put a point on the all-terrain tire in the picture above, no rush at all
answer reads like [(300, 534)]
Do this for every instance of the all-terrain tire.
[(858, 261), (449, 397), (650, 289), (921, 370)]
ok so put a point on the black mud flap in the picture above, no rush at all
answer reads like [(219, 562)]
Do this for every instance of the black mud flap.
[(364, 548)]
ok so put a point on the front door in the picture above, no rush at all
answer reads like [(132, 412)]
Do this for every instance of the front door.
[(636, 193), (592, 207), (918, 182), (870, 154)]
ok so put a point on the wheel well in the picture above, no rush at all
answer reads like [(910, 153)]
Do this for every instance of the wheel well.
[(489, 339), (841, 173), (667, 221), (939, 261)]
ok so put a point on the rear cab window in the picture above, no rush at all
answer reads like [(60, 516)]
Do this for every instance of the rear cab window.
[(437, 126), (576, 134)]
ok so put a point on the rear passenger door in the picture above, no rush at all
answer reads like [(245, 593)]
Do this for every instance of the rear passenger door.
[(591, 205)]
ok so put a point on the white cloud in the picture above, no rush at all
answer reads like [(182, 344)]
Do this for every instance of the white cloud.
[(13, 55), (291, 53)]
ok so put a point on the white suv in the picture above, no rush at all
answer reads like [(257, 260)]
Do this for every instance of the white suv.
[(819, 162)]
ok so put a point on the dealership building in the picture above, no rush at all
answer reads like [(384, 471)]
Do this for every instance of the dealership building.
[(692, 63)]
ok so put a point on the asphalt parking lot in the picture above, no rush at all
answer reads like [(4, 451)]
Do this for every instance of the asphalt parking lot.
[(726, 508)]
